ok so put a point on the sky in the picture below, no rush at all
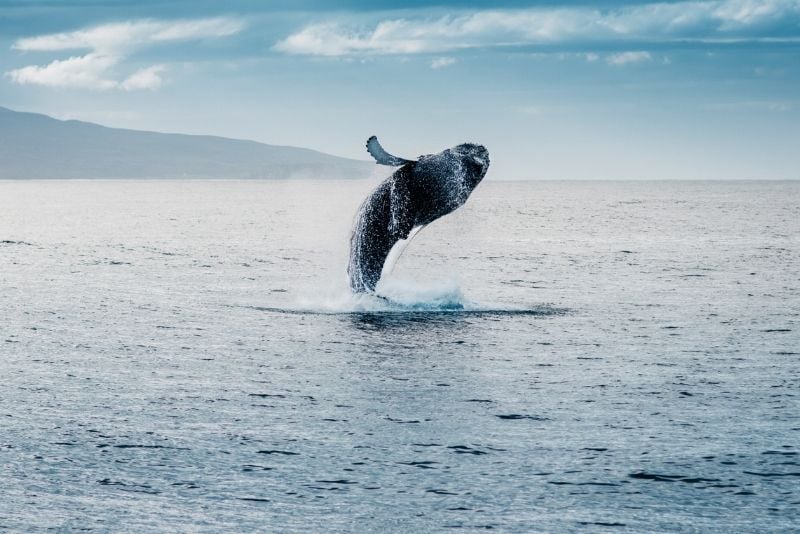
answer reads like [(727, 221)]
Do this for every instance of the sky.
[(569, 90)]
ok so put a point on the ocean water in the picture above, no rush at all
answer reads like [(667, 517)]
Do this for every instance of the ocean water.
[(555, 356)]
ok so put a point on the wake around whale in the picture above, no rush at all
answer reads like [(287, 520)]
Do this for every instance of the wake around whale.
[(416, 194)]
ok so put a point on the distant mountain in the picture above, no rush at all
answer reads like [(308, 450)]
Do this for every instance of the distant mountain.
[(37, 146)]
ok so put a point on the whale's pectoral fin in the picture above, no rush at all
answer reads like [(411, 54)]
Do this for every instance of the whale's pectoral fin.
[(401, 220), (381, 156)]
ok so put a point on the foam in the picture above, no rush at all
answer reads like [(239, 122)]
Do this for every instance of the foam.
[(397, 296)]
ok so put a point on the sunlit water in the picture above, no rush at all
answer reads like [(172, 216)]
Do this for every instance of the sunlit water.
[(551, 357)]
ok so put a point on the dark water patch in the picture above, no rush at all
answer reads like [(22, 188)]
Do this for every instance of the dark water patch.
[(266, 395), (524, 283), (135, 446), (517, 417), (426, 444), (163, 252), (463, 449), (440, 492), (671, 478), (247, 468), (602, 523), (565, 483), (404, 421), (253, 499), (596, 449), (13, 242), (422, 464), (274, 451), (784, 453), (187, 485), (136, 488), (478, 400), (770, 475), (777, 330), (337, 481)]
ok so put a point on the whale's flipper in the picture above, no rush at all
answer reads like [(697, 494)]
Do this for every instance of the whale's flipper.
[(381, 156)]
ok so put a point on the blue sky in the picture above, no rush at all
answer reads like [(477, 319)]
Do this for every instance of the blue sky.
[(570, 90)]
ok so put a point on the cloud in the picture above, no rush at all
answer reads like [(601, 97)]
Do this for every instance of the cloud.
[(625, 58), (147, 78), (108, 46), (659, 22), (82, 72), (442, 62)]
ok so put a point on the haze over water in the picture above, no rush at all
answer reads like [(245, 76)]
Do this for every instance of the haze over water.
[(555, 356)]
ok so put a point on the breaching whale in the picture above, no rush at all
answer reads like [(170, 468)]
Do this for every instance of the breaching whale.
[(418, 193)]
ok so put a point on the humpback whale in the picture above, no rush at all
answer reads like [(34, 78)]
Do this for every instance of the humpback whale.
[(416, 194)]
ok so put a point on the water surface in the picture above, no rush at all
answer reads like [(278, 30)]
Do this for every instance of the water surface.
[(555, 356)]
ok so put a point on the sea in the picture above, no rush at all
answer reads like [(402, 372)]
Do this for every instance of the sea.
[(555, 356)]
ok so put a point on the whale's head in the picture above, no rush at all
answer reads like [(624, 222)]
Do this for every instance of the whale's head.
[(454, 172), (448, 178), (474, 160)]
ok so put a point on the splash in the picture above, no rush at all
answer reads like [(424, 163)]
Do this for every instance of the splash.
[(398, 297)]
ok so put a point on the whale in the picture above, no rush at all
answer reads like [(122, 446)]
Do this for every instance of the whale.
[(416, 194)]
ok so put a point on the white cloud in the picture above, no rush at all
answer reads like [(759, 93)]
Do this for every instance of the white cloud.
[(442, 62), (661, 22), (80, 72), (147, 78), (625, 58), (122, 36), (109, 45)]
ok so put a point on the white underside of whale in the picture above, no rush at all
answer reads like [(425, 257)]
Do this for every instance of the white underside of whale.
[(397, 251)]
